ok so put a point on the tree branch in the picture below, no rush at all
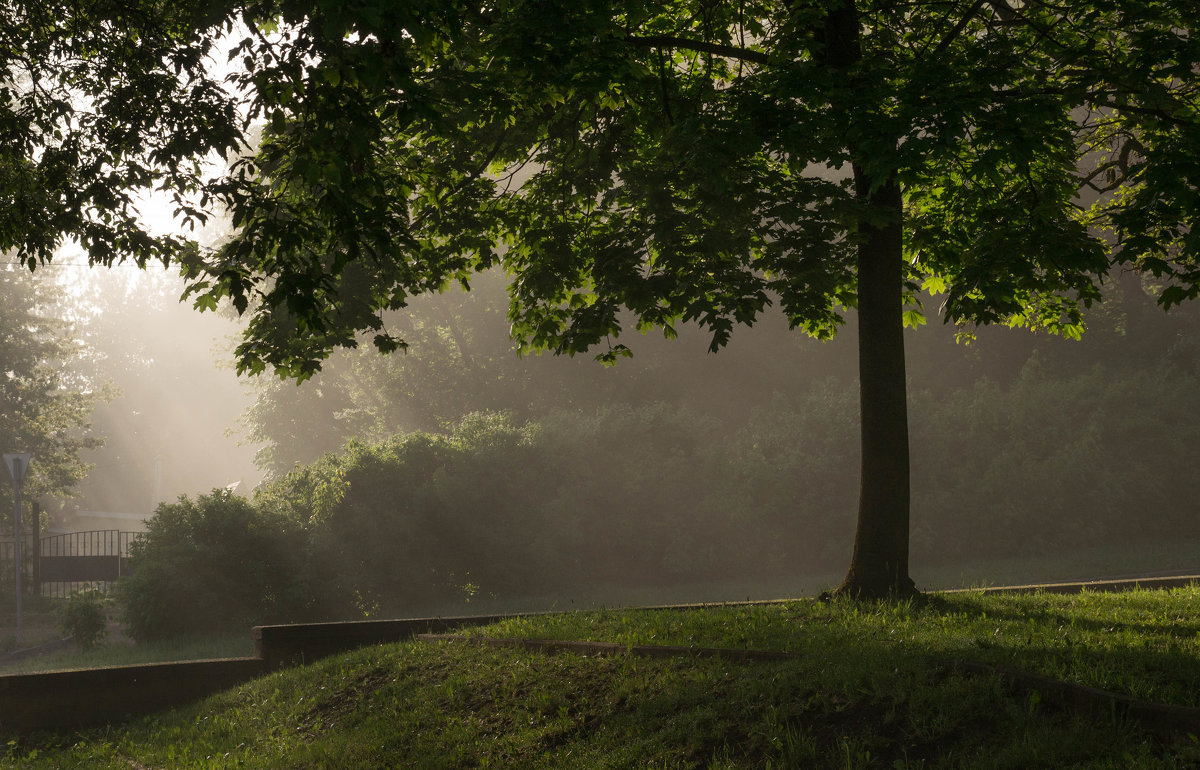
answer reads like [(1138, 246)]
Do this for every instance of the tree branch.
[(728, 51), (949, 37), (1003, 10)]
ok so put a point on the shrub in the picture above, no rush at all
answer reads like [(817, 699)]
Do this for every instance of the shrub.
[(420, 517), (217, 563), (84, 618), (1054, 462)]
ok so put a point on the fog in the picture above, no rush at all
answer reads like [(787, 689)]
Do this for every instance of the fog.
[(705, 476), (1034, 457), (170, 426)]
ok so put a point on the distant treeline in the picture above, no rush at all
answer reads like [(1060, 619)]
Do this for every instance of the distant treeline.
[(633, 496)]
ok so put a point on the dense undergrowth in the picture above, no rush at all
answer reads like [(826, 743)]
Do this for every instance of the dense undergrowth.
[(867, 689), (589, 507)]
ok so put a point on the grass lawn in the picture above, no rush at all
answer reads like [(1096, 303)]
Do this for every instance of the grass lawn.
[(866, 690), (127, 653), (41, 624)]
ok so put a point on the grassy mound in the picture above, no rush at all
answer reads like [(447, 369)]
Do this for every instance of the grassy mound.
[(867, 689)]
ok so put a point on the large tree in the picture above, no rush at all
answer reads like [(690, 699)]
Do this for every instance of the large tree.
[(629, 163)]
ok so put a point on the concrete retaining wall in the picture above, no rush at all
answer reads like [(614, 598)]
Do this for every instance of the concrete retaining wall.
[(56, 700), (88, 696), (1095, 586), (301, 643)]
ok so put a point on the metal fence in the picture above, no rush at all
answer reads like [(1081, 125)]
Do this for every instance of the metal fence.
[(69, 562)]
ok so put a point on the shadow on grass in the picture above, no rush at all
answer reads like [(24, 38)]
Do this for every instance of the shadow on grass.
[(966, 605)]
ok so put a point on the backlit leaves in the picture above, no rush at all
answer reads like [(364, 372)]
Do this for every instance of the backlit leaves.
[(630, 164)]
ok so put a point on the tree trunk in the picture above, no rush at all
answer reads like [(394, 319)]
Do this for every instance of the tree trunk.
[(879, 566), (460, 341)]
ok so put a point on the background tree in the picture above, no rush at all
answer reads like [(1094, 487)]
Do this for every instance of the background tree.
[(643, 163), (45, 402), (461, 359)]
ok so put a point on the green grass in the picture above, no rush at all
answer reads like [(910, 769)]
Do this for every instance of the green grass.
[(42, 625), (1142, 643), (865, 691), (111, 654)]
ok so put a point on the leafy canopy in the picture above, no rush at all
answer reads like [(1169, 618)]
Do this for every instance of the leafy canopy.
[(682, 160)]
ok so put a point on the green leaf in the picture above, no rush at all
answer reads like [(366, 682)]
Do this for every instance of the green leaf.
[(914, 319)]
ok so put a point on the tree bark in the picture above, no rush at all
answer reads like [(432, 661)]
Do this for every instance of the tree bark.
[(879, 565)]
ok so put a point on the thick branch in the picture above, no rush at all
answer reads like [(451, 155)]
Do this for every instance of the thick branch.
[(728, 51)]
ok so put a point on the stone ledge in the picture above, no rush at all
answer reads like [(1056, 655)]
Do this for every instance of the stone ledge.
[(299, 643)]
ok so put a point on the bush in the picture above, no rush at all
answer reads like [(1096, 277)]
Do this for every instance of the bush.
[(214, 564), (572, 504), (1054, 462), (420, 519), (83, 617)]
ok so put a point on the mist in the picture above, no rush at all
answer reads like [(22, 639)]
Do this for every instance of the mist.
[(684, 475), (170, 421), (466, 475)]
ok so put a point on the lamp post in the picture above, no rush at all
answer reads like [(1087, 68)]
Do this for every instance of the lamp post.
[(18, 463)]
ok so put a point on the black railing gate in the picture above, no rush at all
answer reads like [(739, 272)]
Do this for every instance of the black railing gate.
[(69, 562)]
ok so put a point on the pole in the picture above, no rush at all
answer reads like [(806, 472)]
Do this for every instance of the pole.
[(18, 463), (17, 549), (35, 558)]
